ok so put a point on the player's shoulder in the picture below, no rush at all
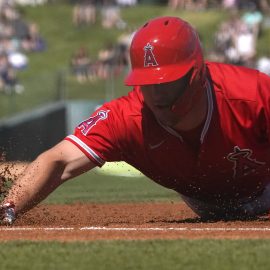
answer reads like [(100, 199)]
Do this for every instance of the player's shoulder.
[(235, 82)]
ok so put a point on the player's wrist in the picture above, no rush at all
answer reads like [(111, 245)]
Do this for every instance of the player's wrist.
[(7, 213)]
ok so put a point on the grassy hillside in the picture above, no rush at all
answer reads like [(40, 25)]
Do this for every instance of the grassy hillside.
[(43, 75), (49, 69)]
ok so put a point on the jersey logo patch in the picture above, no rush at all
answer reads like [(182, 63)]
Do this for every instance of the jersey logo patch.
[(243, 163), (149, 58), (154, 146), (86, 125)]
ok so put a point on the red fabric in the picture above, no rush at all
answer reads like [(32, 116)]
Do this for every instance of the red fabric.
[(233, 160)]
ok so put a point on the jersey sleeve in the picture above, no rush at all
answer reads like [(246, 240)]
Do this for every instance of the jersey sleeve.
[(264, 102), (96, 136)]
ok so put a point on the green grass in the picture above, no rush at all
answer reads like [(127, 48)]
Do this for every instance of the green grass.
[(137, 255), (92, 187), (41, 77), (263, 43)]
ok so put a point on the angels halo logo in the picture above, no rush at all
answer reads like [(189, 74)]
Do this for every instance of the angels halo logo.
[(149, 57), (243, 163), (86, 125)]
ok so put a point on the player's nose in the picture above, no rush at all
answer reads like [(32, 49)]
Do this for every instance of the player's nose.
[(158, 90)]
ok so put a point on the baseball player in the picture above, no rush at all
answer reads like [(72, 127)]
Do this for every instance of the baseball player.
[(199, 128)]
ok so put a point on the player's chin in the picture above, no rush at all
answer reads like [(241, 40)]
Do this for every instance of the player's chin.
[(168, 123)]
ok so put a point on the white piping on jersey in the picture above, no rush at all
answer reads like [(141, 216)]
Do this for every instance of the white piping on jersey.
[(208, 117), (209, 111), (91, 152), (172, 131)]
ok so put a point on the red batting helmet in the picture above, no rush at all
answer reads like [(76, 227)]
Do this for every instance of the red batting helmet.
[(164, 50)]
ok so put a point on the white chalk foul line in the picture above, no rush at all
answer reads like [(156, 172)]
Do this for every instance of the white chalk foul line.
[(36, 229), (171, 229), (162, 229)]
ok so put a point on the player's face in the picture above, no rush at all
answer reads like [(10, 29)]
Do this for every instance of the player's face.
[(161, 97)]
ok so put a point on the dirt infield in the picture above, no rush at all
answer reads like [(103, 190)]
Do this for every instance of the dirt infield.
[(83, 222)]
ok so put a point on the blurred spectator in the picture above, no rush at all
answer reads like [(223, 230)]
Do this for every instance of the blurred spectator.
[(111, 15), (188, 4), (229, 4), (8, 11), (264, 5), (126, 3), (224, 38), (106, 61), (18, 60), (121, 58), (200, 4), (8, 77), (17, 37), (8, 45), (84, 12), (31, 2), (176, 4), (19, 27), (263, 64), (245, 4), (245, 45), (253, 19), (33, 42), (181, 4), (111, 61), (123, 43), (80, 64), (235, 42)]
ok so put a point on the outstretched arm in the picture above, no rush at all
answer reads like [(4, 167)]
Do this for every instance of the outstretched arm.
[(41, 177)]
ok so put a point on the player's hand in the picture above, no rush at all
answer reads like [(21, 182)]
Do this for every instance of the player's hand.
[(7, 213)]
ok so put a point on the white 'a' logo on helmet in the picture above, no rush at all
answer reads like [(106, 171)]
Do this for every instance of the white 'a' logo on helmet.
[(149, 58)]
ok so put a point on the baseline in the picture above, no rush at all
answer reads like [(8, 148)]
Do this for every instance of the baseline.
[(164, 229)]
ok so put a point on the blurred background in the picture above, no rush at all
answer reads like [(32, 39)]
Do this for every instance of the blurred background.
[(61, 59)]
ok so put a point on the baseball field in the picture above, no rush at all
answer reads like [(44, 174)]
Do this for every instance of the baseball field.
[(100, 221)]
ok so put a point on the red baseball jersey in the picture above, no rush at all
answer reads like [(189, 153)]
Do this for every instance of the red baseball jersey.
[(233, 157)]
